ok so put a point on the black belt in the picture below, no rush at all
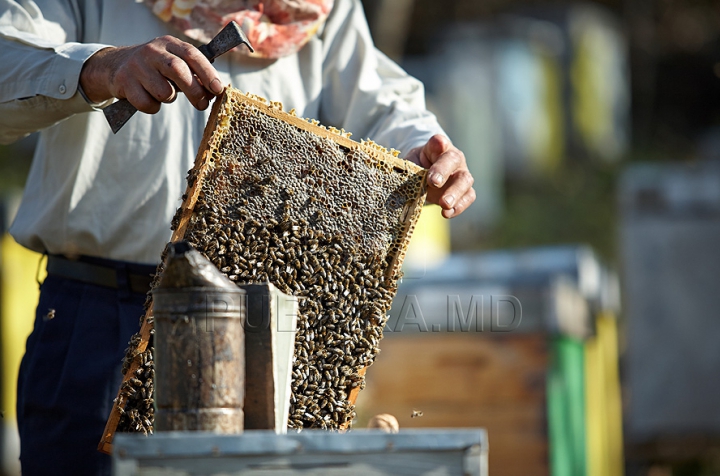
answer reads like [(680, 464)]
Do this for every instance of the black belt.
[(108, 273)]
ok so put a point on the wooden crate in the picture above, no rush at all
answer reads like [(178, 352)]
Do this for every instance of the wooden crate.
[(468, 380)]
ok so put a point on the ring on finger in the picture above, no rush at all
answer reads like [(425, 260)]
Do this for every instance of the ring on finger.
[(174, 94)]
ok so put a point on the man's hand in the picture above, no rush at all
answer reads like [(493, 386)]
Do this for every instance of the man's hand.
[(142, 73), (449, 180)]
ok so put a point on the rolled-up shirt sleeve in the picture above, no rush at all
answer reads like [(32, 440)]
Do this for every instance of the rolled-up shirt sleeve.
[(364, 91), (41, 66)]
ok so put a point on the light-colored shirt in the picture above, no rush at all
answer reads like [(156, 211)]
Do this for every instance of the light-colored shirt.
[(94, 193)]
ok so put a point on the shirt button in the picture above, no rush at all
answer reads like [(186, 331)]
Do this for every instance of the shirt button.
[(62, 89)]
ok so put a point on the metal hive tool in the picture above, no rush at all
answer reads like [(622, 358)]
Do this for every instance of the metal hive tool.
[(274, 197)]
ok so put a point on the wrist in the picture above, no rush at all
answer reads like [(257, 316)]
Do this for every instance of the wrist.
[(94, 76)]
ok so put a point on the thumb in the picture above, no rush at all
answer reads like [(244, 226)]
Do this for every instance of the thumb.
[(435, 147), (433, 150)]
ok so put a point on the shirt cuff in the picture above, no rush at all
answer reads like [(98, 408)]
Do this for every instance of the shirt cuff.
[(68, 62)]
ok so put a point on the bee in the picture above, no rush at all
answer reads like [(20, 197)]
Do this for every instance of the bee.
[(416, 414), (50, 315)]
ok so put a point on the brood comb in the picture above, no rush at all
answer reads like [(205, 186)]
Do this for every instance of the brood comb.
[(274, 197)]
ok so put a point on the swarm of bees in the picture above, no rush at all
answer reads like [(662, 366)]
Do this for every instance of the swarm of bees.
[(276, 198)]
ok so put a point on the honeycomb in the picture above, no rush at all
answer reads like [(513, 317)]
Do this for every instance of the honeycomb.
[(274, 197)]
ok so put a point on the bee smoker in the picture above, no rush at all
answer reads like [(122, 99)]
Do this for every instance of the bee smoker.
[(199, 346)]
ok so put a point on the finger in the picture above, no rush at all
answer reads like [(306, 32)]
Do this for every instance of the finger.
[(175, 69), (462, 204), (457, 187), (158, 86), (141, 99), (433, 149), (444, 167), (199, 65)]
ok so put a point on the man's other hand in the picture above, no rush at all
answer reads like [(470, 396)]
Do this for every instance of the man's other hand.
[(142, 74), (449, 180)]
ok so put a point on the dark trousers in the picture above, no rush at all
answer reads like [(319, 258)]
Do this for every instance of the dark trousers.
[(70, 375)]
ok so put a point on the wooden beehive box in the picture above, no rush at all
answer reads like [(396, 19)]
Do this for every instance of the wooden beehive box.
[(274, 197)]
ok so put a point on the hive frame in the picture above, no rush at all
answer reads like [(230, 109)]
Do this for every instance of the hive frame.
[(215, 130)]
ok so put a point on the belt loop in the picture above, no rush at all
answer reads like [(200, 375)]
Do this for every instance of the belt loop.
[(123, 281), (39, 267)]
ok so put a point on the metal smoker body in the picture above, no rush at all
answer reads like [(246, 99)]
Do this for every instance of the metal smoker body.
[(199, 346)]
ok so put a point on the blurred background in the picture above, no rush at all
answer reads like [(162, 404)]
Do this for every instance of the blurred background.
[(573, 309)]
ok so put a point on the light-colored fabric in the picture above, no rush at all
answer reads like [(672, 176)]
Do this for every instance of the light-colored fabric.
[(275, 28), (94, 193)]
